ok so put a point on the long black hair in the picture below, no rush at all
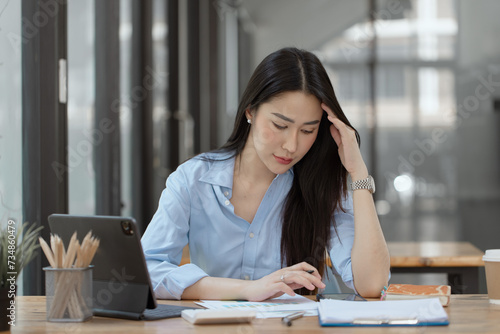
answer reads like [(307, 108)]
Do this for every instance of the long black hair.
[(319, 182)]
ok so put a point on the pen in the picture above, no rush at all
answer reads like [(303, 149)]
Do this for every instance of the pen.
[(288, 319)]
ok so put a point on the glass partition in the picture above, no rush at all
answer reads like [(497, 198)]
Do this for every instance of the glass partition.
[(81, 98), (11, 190)]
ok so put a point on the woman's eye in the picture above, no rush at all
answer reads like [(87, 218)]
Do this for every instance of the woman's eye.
[(279, 127), (307, 131)]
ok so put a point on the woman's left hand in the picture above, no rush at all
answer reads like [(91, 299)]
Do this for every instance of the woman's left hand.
[(349, 152)]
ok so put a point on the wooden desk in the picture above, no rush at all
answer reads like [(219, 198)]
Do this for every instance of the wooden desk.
[(460, 260), (468, 313)]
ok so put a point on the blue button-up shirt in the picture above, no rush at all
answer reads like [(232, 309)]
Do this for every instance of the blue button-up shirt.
[(195, 208)]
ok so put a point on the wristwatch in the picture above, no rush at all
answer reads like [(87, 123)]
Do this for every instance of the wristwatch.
[(368, 183)]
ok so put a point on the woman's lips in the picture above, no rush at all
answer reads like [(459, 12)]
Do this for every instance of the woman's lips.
[(283, 161)]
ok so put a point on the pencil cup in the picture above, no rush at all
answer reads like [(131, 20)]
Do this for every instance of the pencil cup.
[(69, 294), (492, 265)]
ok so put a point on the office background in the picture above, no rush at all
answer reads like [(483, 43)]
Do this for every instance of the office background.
[(101, 100)]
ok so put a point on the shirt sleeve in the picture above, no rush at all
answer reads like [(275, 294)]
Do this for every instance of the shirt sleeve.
[(165, 238), (341, 242)]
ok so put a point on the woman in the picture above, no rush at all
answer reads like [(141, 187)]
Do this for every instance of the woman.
[(260, 212)]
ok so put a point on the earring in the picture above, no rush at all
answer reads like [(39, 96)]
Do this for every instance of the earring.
[(249, 121)]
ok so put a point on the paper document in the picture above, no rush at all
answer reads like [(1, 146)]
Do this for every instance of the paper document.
[(271, 308), (395, 312)]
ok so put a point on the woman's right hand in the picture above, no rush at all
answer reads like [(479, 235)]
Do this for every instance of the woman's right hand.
[(283, 281)]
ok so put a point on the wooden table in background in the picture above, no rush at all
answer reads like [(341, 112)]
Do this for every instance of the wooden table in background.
[(185, 256), (467, 314), (459, 260)]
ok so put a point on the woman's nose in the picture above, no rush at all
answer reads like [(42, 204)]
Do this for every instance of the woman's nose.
[(290, 143)]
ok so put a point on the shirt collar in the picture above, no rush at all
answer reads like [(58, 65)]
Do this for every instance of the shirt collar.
[(221, 170)]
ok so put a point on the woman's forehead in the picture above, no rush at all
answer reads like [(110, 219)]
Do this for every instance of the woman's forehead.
[(294, 105)]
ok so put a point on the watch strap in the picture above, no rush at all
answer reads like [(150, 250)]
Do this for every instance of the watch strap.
[(367, 183)]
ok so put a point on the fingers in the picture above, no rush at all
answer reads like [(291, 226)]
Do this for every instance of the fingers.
[(304, 266), (328, 110), (336, 135), (286, 289), (336, 123), (298, 274), (285, 280), (331, 115), (266, 288), (342, 128), (298, 278)]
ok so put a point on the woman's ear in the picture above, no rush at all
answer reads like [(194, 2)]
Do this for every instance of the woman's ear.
[(248, 114)]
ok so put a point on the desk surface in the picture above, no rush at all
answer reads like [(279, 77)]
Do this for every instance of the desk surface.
[(467, 313), (435, 254)]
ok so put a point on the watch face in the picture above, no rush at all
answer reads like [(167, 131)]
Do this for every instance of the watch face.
[(372, 181)]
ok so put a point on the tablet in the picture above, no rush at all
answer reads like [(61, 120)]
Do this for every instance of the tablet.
[(121, 284)]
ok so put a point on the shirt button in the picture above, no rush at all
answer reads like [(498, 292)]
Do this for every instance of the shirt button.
[(251, 235), (226, 202), (226, 193), (247, 277)]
